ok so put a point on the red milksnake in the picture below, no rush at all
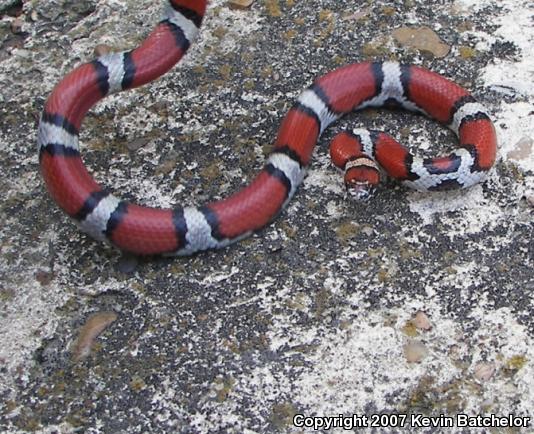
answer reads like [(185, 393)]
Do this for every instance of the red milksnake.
[(144, 230)]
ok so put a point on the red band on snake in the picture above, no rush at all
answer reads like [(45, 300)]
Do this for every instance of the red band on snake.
[(185, 230)]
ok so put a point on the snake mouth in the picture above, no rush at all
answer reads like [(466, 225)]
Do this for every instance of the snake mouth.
[(360, 191)]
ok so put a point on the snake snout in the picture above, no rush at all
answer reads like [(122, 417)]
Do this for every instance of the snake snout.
[(360, 191)]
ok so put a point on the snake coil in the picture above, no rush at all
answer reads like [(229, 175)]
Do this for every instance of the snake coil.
[(185, 230)]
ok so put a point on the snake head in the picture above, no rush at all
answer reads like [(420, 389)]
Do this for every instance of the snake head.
[(361, 178)]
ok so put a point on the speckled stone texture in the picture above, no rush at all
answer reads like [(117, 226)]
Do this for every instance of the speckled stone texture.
[(5, 4), (318, 313)]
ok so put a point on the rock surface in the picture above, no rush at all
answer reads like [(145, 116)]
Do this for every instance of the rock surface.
[(308, 316), (5, 4)]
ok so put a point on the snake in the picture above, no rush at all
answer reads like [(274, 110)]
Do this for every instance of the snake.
[(362, 154)]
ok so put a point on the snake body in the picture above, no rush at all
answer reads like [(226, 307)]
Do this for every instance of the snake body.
[(185, 230)]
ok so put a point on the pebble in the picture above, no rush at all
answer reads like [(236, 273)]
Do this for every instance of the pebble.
[(240, 4), (522, 149), (102, 50), (137, 143), (415, 352), (422, 39), (484, 371), (356, 16), (367, 230), (94, 325), (44, 277), (16, 26), (421, 321), (22, 53)]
